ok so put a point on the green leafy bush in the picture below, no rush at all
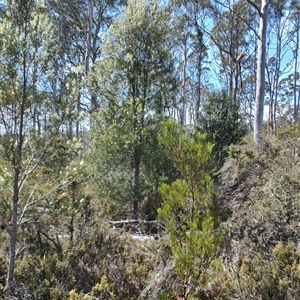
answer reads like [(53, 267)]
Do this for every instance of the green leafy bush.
[(188, 206), (222, 124)]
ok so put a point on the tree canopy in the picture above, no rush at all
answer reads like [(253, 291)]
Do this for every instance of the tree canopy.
[(119, 121)]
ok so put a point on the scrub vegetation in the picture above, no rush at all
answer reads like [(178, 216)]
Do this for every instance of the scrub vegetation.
[(149, 150)]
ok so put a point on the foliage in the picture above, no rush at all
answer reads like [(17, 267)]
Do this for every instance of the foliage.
[(188, 205), (110, 77), (222, 123), (272, 201), (275, 277), (102, 265), (6, 180), (135, 81), (28, 42), (262, 195)]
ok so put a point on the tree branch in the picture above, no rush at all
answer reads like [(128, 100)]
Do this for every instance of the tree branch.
[(240, 17), (27, 172), (255, 6)]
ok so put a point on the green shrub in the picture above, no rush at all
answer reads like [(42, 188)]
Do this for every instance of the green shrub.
[(189, 206)]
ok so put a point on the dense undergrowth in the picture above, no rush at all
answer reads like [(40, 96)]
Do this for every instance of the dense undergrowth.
[(258, 258)]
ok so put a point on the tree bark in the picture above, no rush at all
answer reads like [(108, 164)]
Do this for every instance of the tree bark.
[(18, 135), (260, 70), (136, 182), (13, 230), (296, 91), (183, 100)]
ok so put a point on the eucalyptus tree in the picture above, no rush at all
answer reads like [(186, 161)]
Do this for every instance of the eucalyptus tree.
[(294, 7), (26, 63), (80, 27), (183, 51), (263, 14), (135, 84), (279, 44), (191, 52), (247, 94), (227, 29), (232, 37)]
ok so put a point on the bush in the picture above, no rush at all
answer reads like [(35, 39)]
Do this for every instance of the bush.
[(188, 209)]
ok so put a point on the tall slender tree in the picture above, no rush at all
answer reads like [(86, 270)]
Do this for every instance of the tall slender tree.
[(260, 69), (295, 32), (192, 57), (135, 83), (27, 53), (81, 26), (232, 37), (278, 40)]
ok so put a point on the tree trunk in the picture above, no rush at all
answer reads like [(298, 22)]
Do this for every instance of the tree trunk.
[(18, 135), (296, 90), (89, 36), (200, 57), (198, 95), (275, 80), (260, 70), (183, 100), (136, 182), (13, 230), (236, 74)]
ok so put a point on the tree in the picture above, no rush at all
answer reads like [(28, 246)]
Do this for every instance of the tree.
[(80, 26), (222, 123), (278, 39), (260, 69), (295, 20), (27, 53), (190, 51), (232, 36), (135, 82)]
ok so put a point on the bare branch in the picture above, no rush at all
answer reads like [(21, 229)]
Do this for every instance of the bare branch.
[(56, 243), (28, 203), (76, 16), (27, 171), (255, 6), (20, 249), (215, 42), (240, 17)]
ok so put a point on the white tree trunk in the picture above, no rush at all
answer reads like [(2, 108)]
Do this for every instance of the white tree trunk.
[(260, 80), (296, 92)]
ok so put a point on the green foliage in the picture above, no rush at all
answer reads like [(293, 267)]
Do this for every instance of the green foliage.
[(6, 179), (187, 208), (262, 193), (56, 199), (102, 265), (136, 79), (80, 296), (222, 124), (270, 181), (273, 277), (63, 248), (112, 167), (166, 296), (103, 288), (27, 49)]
